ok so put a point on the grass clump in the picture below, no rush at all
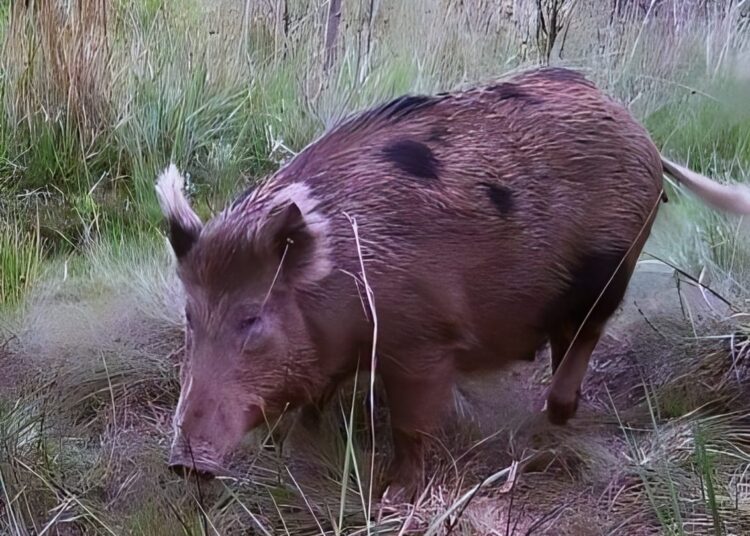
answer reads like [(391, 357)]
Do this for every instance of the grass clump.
[(21, 260)]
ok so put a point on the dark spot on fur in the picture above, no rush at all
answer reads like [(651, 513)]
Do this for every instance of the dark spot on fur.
[(395, 110), (182, 239), (560, 74), (408, 103), (508, 90), (438, 134), (501, 196), (511, 91), (402, 107), (587, 279), (414, 158), (243, 196)]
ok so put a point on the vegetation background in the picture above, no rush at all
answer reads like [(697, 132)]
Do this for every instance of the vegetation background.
[(99, 95)]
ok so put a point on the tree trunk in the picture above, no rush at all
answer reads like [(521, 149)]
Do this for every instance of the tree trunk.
[(332, 31)]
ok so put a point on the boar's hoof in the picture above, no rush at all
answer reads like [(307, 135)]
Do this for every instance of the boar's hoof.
[(560, 410), (402, 484), (399, 493)]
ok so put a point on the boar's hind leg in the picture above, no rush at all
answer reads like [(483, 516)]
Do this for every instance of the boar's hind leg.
[(596, 291), (416, 402), (565, 391)]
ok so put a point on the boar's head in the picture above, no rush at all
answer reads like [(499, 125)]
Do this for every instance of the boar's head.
[(248, 351)]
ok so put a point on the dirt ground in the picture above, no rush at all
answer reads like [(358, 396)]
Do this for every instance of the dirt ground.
[(581, 479)]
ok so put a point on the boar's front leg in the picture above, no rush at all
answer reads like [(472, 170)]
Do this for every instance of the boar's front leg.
[(417, 400)]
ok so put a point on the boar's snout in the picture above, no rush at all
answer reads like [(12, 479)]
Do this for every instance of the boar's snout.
[(207, 429), (193, 461)]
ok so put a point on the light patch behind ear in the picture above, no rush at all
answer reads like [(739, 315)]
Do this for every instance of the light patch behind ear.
[(184, 224), (296, 225)]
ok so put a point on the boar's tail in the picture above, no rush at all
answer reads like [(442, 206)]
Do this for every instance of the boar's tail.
[(733, 198)]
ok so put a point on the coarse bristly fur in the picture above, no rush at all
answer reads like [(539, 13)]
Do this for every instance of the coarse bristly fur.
[(170, 192), (489, 222), (184, 223)]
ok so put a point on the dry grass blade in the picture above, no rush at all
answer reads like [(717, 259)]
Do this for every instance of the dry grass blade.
[(373, 359), (460, 504)]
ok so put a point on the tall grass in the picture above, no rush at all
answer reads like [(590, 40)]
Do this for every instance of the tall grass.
[(21, 259), (105, 93), (98, 97)]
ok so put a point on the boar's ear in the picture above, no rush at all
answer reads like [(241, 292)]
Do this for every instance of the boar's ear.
[(299, 240), (184, 223)]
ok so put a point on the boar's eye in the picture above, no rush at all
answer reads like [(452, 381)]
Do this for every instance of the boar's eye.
[(248, 322)]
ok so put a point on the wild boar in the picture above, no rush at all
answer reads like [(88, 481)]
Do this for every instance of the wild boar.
[(489, 222)]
